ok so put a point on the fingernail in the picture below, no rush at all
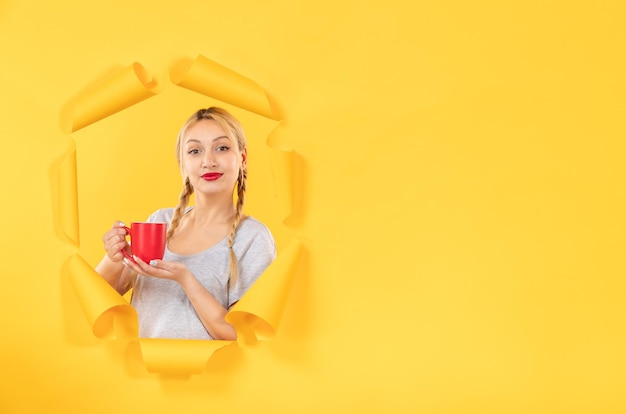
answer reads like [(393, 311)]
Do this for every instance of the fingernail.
[(153, 262), (125, 262), (135, 257), (122, 224)]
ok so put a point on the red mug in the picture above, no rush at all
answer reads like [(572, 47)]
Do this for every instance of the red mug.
[(147, 240)]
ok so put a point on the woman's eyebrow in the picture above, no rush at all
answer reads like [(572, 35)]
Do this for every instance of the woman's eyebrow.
[(200, 142)]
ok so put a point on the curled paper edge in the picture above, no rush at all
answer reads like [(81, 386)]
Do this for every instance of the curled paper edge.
[(175, 356), (108, 313), (282, 166), (282, 162), (209, 78), (123, 89), (64, 189), (260, 310)]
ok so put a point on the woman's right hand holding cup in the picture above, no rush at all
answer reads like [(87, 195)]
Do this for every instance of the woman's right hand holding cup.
[(114, 241)]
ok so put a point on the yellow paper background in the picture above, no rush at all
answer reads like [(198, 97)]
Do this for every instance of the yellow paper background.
[(459, 194)]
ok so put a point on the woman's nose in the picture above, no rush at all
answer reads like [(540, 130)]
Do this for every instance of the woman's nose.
[(208, 160)]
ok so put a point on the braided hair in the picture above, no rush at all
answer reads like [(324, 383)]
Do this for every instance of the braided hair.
[(235, 132)]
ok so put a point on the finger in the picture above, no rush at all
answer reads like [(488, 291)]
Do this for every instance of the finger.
[(115, 246), (131, 265), (117, 228), (149, 270), (114, 251), (156, 263), (141, 264), (114, 236), (114, 240)]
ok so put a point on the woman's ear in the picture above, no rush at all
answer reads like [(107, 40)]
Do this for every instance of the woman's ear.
[(244, 157)]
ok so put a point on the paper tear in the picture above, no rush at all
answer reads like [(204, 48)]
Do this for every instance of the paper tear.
[(260, 310), (125, 88), (282, 163), (257, 315), (179, 357), (64, 188), (108, 313), (214, 80)]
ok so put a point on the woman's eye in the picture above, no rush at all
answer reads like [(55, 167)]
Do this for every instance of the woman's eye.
[(193, 151), (222, 148)]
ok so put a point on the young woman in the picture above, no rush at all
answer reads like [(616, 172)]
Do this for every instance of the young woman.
[(214, 252)]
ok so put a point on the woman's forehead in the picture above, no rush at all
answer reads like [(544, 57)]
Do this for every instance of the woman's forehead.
[(205, 129)]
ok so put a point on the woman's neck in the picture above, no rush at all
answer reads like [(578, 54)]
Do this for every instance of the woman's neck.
[(211, 211)]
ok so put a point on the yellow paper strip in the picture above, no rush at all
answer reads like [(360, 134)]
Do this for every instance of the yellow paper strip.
[(108, 313), (65, 197), (282, 164), (170, 356), (214, 80), (260, 310), (125, 88), (257, 315)]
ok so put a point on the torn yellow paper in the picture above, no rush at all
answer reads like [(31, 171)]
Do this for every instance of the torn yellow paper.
[(282, 172), (261, 308), (179, 357), (216, 81), (65, 197), (109, 315), (125, 88), (257, 315)]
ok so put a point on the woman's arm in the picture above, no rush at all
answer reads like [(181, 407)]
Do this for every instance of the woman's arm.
[(116, 274), (211, 313), (111, 267)]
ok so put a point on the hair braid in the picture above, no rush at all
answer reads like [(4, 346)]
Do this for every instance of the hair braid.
[(183, 200), (235, 132), (241, 199)]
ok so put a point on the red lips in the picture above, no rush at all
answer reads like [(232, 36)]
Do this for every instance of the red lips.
[(211, 176)]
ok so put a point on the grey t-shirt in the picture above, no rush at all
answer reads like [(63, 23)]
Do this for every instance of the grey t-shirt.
[(163, 309)]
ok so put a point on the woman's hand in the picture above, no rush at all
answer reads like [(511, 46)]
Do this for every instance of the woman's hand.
[(211, 313), (114, 241), (175, 271)]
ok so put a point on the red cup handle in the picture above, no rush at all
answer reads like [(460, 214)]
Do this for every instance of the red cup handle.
[(129, 257)]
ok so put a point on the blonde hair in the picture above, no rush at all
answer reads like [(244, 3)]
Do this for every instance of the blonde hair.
[(235, 132)]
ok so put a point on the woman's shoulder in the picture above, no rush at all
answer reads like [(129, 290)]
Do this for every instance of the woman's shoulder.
[(255, 238), (252, 226), (163, 215)]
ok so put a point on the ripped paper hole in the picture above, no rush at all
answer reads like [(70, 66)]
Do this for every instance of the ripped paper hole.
[(257, 315)]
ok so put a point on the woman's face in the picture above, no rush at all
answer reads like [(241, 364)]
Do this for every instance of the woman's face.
[(210, 158)]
